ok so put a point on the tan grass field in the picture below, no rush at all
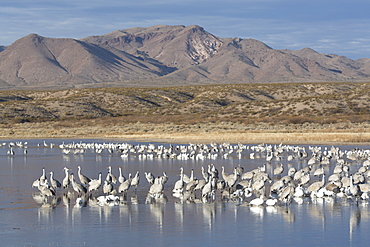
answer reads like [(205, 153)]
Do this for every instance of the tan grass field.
[(199, 133)]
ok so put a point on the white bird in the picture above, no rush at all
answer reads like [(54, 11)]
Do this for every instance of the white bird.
[(257, 201), (298, 191), (95, 184), (271, 201)]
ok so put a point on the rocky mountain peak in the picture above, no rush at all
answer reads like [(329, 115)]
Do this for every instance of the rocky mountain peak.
[(172, 53)]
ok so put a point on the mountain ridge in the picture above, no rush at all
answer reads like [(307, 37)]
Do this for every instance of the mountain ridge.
[(153, 55)]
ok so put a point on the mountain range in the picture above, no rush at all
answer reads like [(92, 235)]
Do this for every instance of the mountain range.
[(164, 54)]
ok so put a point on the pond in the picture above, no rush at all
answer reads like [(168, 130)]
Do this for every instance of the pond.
[(29, 218)]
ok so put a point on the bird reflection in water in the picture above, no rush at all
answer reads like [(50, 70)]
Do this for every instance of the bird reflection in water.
[(209, 213), (257, 211), (48, 204), (157, 211), (287, 213), (354, 221), (179, 210)]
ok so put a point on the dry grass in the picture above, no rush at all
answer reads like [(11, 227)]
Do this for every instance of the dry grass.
[(207, 132), (306, 112)]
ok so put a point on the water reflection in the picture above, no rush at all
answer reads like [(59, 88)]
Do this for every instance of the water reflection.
[(188, 208)]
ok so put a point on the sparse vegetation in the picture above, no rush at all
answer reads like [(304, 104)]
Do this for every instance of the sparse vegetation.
[(230, 109)]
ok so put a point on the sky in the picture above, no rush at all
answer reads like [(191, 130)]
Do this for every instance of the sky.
[(327, 26)]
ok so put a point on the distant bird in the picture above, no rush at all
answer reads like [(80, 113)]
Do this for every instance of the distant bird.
[(319, 171), (11, 152), (279, 170)]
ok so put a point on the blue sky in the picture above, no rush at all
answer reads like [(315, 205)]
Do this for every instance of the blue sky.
[(327, 26)]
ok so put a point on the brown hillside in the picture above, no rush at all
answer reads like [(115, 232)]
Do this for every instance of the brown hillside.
[(164, 55)]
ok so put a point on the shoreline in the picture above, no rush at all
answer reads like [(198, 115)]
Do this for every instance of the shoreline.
[(200, 133)]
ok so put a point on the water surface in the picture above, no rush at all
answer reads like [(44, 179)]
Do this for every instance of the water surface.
[(26, 220)]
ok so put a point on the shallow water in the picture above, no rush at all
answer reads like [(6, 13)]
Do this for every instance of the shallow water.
[(27, 221)]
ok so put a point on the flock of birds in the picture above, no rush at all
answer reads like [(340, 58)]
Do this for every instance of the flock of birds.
[(324, 173)]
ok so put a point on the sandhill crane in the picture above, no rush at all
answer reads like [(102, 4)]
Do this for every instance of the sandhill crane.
[(164, 178), (46, 189), (79, 188), (110, 176), (83, 179), (40, 180), (189, 179), (121, 178), (107, 187), (135, 180), (208, 189), (43, 176), (287, 193), (125, 186), (149, 177), (354, 190), (179, 185), (157, 187), (55, 183), (66, 180), (314, 187)]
